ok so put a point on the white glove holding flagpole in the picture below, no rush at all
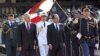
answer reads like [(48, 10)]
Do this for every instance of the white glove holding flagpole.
[(79, 36), (69, 19), (97, 46), (2, 45)]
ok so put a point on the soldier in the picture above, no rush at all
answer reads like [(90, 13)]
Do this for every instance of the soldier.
[(9, 35), (75, 40), (68, 29), (0, 31), (87, 32), (99, 33), (42, 35)]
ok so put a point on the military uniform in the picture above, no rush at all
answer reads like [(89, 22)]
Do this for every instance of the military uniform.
[(9, 37), (75, 40), (88, 29), (99, 33), (42, 37), (68, 29)]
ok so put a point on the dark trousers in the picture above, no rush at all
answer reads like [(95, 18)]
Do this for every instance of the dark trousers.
[(87, 49), (68, 45), (91, 49), (57, 51), (99, 41), (75, 47), (10, 49), (68, 50), (27, 51)]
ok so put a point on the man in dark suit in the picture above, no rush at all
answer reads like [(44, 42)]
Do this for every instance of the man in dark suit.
[(27, 36), (56, 37), (9, 35)]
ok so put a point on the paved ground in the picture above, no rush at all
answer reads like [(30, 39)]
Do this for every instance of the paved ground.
[(97, 53), (2, 54)]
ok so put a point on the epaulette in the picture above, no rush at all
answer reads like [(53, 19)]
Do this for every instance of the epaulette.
[(9, 29), (76, 20), (96, 22)]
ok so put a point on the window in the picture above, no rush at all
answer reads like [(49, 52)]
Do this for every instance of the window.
[(8, 1), (27, 0)]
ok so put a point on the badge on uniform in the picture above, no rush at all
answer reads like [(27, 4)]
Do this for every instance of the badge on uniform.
[(79, 36)]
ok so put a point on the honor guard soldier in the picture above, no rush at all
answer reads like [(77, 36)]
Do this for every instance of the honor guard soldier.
[(75, 40), (9, 35), (87, 29), (99, 33), (42, 34), (68, 30)]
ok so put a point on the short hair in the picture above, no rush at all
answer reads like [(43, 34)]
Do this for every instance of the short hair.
[(85, 9), (10, 15), (53, 16), (26, 15)]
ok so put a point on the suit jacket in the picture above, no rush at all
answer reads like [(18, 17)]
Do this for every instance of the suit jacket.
[(26, 37), (54, 36), (9, 33)]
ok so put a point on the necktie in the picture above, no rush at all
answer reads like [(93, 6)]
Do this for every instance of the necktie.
[(28, 28), (11, 23), (44, 24), (56, 27)]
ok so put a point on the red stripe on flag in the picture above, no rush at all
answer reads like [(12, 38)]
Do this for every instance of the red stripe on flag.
[(36, 19), (35, 7)]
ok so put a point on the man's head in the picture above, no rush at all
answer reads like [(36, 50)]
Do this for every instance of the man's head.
[(44, 16), (86, 12), (10, 17), (55, 18), (26, 18)]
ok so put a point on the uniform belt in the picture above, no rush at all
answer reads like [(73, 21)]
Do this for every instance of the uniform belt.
[(88, 37)]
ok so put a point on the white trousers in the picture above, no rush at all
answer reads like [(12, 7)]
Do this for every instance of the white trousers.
[(43, 49)]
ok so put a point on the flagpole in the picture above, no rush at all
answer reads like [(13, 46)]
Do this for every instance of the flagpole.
[(80, 48), (62, 11), (54, 0), (61, 8)]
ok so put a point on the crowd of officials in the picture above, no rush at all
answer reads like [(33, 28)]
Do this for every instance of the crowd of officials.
[(77, 38)]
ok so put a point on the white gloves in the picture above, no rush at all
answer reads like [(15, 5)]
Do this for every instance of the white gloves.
[(79, 36), (97, 46), (69, 19), (2, 45)]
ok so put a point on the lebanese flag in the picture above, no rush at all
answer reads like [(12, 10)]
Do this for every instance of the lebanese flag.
[(39, 8)]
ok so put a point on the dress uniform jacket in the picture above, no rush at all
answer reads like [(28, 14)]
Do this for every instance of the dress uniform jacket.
[(89, 30), (9, 37), (42, 37), (42, 32)]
